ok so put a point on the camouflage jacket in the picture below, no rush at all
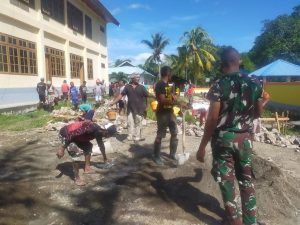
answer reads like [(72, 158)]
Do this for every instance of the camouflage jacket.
[(238, 95)]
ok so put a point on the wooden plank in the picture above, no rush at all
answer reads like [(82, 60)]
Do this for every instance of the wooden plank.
[(277, 121), (274, 119)]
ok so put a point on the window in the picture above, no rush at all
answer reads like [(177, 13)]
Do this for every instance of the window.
[(56, 62), (88, 27), (30, 3), (102, 65), (90, 68), (3, 59), (75, 18), (102, 28), (76, 62), (103, 56), (54, 9), (17, 55)]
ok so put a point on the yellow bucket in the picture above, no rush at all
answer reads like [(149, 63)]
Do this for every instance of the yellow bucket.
[(154, 106)]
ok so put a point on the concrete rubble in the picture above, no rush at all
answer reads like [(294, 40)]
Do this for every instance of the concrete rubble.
[(274, 137)]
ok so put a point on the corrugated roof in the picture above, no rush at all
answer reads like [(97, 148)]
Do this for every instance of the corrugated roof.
[(278, 68), (100, 10)]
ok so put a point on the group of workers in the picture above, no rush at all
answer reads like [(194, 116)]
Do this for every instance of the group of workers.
[(49, 95), (236, 100)]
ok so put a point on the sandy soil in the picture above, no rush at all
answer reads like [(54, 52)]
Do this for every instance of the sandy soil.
[(36, 188)]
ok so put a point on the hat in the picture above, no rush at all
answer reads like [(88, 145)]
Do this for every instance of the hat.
[(111, 128)]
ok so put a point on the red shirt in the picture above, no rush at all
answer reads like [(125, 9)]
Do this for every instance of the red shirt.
[(65, 88)]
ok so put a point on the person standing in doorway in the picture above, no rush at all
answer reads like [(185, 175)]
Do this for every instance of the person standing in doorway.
[(235, 101), (41, 90), (65, 90), (83, 92)]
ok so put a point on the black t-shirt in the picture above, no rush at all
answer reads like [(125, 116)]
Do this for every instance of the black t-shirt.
[(137, 99), (41, 88), (163, 88)]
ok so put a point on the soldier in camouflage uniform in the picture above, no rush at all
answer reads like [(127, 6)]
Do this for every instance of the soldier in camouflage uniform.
[(235, 102)]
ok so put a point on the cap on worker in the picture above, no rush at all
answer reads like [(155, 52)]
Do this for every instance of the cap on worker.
[(111, 128)]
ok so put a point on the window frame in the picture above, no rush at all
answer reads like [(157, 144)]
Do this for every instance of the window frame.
[(75, 18), (88, 32), (29, 3), (90, 69), (55, 9), (75, 65), (20, 57), (57, 62)]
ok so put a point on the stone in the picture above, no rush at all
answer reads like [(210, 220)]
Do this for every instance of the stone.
[(296, 141), (270, 137)]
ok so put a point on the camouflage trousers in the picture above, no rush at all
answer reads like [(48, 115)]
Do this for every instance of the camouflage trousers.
[(232, 159)]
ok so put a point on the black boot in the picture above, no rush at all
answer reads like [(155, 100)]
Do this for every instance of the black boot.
[(157, 158), (173, 148)]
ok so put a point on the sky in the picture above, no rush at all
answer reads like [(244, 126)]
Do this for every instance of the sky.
[(228, 22)]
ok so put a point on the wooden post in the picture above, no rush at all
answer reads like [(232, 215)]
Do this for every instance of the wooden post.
[(277, 121)]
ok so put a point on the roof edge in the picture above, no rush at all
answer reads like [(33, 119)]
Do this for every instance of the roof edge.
[(102, 11)]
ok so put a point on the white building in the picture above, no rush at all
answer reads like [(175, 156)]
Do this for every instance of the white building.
[(55, 39)]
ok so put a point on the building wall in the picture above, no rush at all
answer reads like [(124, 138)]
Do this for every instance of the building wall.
[(284, 93), (21, 21)]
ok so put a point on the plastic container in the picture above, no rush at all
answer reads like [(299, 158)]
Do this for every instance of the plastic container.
[(154, 106), (112, 115)]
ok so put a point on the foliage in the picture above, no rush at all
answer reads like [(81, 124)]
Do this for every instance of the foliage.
[(247, 65), (157, 44), (199, 47), (24, 121), (118, 77), (190, 118), (280, 39), (180, 63), (150, 67)]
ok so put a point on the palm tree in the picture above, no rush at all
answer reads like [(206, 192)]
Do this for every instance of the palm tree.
[(199, 47), (157, 45)]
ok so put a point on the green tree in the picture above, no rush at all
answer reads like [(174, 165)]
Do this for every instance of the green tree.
[(199, 47), (157, 44), (118, 77), (247, 63), (280, 39), (180, 63)]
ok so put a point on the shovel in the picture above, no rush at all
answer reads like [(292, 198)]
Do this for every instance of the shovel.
[(184, 156)]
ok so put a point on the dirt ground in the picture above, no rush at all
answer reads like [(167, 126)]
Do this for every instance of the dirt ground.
[(36, 188)]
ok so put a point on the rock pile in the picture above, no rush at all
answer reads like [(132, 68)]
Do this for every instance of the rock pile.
[(273, 137), (64, 111)]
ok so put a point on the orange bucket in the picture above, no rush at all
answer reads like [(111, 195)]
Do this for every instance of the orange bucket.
[(112, 115), (154, 105)]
